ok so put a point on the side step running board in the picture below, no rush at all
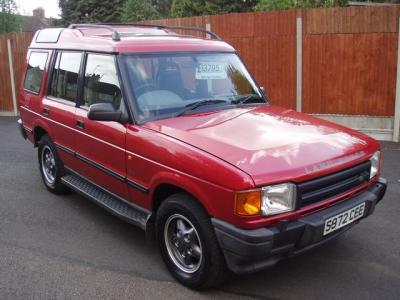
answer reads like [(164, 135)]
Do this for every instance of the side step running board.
[(114, 204)]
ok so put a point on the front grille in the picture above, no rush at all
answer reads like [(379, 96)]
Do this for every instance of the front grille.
[(332, 185)]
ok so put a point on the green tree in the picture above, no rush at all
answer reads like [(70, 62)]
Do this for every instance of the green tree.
[(188, 8), (266, 5), (139, 10), (229, 6), (9, 21), (163, 7), (90, 11)]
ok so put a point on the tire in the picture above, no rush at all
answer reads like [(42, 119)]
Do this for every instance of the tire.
[(196, 269), (50, 166)]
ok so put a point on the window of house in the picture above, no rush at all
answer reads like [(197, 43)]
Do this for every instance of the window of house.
[(34, 73)]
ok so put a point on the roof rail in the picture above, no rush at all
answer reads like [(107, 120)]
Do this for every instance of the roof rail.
[(115, 34), (198, 29)]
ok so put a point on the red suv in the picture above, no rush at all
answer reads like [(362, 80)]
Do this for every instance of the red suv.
[(172, 133)]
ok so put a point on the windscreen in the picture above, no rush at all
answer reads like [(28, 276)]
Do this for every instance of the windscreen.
[(165, 84)]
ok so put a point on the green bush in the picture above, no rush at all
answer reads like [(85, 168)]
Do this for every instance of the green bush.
[(139, 10)]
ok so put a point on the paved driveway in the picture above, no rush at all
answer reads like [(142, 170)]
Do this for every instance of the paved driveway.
[(66, 247)]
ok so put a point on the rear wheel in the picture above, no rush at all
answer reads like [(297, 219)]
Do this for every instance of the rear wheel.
[(50, 165), (188, 243)]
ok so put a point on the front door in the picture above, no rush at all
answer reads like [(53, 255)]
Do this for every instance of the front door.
[(101, 145)]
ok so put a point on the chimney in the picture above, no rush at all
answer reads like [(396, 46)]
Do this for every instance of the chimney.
[(39, 13)]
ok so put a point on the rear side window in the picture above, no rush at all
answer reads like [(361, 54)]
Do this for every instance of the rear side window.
[(64, 82), (101, 81), (34, 73)]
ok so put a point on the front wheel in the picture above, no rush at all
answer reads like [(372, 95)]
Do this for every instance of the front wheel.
[(188, 243)]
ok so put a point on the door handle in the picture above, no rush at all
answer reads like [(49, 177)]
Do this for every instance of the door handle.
[(46, 111), (80, 124)]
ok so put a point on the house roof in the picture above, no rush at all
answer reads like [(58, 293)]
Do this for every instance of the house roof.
[(32, 23)]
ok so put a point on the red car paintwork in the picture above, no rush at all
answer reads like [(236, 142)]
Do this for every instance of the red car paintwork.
[(271, 144), (210, 155)]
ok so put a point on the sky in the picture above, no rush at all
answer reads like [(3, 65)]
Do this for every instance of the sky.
[(25, 7)]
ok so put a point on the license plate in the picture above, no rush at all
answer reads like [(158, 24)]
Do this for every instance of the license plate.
[(345, 218)]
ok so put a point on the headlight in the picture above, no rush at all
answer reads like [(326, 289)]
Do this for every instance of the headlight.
[(278, 199), (267, 201), (375, 163)]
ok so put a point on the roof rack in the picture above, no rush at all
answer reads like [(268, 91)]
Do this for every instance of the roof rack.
[(116, 36), (213, 35)]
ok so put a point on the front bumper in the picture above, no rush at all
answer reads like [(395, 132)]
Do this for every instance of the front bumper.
[(247, 251)]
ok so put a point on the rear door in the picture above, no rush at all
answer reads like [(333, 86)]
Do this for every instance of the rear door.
[(59, 106), (101, 144)]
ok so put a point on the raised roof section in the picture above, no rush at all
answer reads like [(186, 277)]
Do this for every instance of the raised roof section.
[(128, 38)]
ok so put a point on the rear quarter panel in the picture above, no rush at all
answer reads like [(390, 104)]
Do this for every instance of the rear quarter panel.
[(30, 104)]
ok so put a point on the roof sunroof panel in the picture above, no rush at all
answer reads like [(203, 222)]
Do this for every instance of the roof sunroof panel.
[(49, 35)]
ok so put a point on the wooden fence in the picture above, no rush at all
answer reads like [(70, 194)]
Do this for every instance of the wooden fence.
[(349, 55), (348, 59), (19, 43)]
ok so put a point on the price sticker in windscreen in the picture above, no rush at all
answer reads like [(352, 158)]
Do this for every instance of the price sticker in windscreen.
[(211, 70)]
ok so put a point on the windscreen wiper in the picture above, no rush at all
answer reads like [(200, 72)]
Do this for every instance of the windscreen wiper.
[(250, 98), (194, 105)]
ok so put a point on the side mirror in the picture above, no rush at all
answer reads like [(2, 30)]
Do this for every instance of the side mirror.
[(104, 112)]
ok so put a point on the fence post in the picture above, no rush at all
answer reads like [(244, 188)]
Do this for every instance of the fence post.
[(299, 57), (11, 66), (208, 27), (396, 124)]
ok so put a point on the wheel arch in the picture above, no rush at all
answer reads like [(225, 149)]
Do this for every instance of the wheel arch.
[(39, 130), (165, 189)]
